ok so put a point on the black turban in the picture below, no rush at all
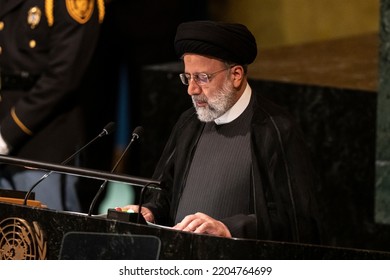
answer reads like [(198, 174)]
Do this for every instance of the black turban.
[(230, 42)]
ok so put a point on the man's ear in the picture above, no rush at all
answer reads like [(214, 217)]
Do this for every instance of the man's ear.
[(238, 75)]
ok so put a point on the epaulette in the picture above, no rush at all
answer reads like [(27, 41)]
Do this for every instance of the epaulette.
[(74, 12)]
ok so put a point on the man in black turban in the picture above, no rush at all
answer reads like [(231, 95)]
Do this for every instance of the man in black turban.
[(235, 165)]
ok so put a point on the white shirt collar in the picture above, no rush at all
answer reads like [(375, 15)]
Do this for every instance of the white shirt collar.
[(237, 109)]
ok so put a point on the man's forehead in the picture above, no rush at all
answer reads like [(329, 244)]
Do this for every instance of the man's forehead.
[(193, 58)]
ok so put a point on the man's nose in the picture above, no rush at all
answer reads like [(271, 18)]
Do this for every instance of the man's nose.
[(193, 88)]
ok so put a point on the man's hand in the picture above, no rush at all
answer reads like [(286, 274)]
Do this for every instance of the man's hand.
[(201, 223)]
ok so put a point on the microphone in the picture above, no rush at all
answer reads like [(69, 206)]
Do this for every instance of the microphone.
[(137, 133), (108, 129)]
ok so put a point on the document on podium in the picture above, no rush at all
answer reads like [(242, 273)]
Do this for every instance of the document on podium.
[(157, 225)]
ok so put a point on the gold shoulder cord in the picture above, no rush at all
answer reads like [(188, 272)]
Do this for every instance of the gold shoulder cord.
[(19, 123), (49, 6), (101, 10)]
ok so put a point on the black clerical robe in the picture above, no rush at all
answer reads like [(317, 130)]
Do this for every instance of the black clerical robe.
[(282, 177)]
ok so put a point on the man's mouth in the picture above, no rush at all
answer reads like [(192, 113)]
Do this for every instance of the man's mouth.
[(200, 102)]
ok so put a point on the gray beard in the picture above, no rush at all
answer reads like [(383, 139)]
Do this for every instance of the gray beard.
[(219, 105)]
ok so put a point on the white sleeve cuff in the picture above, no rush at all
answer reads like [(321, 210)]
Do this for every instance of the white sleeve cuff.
[(4, 149)]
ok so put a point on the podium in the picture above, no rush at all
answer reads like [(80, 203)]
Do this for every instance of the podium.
[(36, 233), (29, 232)]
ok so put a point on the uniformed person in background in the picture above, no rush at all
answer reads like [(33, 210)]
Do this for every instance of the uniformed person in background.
[(45, 49)]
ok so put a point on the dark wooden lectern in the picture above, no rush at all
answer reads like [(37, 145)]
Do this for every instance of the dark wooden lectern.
[(35, 233), (31, 232)]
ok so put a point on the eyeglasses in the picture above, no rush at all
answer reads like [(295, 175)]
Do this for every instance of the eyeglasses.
[(199, 78)]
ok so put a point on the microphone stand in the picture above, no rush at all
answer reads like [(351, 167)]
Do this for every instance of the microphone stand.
[(102, 186), (106, 130), (50, 172)]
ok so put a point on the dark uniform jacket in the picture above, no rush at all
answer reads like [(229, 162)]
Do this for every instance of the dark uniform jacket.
[(45, 48), (282, 177)]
